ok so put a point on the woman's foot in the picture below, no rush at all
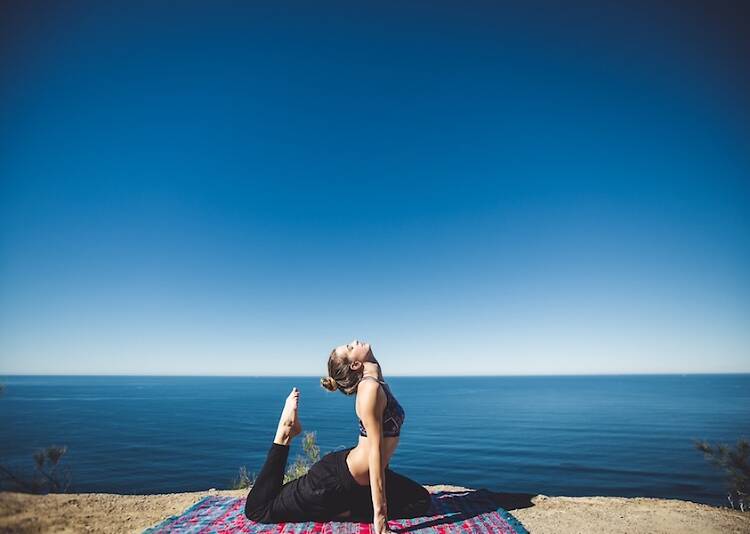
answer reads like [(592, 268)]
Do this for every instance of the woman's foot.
[(289, 425)]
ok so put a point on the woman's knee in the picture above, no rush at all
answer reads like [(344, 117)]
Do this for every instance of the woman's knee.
[(419, 503), (253, 510), (424, 500), (251, 513)]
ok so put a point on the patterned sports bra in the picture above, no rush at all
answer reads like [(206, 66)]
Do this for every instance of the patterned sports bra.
[(393, 414)]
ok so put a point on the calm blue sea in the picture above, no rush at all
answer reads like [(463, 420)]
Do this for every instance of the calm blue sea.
[(563, 435)]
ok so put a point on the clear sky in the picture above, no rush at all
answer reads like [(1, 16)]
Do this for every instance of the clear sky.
[(475, 188)]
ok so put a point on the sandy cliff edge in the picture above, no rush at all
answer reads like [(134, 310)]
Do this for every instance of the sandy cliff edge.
[(540, 514)]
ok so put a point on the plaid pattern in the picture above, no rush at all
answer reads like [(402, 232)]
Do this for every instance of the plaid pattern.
[(451, 512)]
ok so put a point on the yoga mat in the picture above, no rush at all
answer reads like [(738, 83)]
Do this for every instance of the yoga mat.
[(462, 511)]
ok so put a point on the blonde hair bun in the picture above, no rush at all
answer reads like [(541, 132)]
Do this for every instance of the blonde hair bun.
[(329, 383)]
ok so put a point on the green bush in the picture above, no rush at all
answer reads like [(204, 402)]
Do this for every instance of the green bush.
[(736, 466), (48, 475), (299, 467), (302, 464), (243, 479)]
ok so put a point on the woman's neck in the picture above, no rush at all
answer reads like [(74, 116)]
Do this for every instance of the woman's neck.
[(373, 370)]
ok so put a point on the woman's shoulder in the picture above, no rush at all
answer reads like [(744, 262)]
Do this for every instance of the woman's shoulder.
[(371, 385)]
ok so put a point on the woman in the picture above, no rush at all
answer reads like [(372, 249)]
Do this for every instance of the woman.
[(353, 484)]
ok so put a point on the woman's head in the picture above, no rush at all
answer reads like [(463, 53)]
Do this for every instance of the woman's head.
[(345, 366)]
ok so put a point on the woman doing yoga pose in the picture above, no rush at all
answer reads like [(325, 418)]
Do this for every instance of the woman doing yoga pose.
[(355, 483)]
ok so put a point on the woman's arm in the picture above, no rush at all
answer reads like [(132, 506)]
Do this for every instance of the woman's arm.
[(372, 412)]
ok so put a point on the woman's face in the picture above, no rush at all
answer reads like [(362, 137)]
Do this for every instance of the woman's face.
[(354, 351)]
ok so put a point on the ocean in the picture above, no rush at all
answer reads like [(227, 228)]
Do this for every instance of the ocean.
[(615, 435)]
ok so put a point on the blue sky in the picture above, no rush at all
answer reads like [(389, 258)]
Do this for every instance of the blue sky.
[(476, 188)]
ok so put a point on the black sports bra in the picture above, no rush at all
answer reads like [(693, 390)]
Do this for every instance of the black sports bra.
[(393, 414)]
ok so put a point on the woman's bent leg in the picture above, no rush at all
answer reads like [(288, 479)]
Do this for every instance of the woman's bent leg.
[(405, 498), (268, 483), (321, 494), (318, 495)]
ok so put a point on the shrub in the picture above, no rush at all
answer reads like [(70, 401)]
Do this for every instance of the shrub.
[(48, 475), (243, 479), (736, 467), (300, 466)]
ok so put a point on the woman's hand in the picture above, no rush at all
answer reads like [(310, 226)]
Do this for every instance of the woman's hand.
[(381, 524)]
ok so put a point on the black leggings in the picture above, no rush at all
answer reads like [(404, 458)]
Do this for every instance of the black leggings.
[(327, 490)]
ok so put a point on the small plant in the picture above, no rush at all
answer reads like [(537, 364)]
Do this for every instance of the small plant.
[(243, 480), (736, 465), (300, 466), (49, 475)]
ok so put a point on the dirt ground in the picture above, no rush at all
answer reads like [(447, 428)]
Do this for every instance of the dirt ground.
[(102, 512)]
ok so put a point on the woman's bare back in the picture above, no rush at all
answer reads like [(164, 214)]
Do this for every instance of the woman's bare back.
[(358, 458)]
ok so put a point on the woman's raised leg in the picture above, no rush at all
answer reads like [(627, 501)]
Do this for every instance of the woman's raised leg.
[(269, 481)]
